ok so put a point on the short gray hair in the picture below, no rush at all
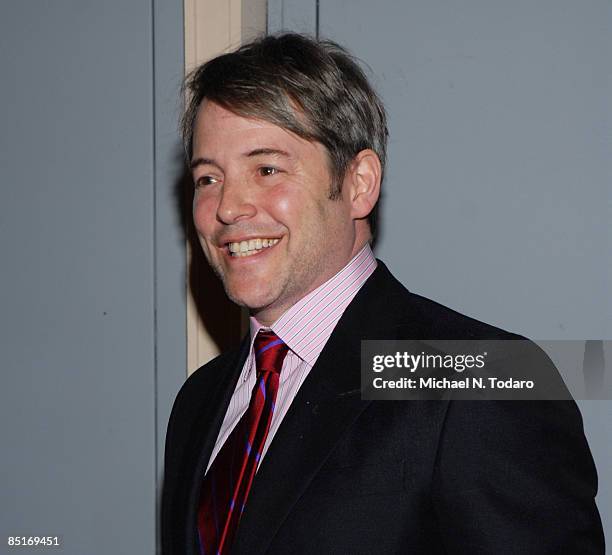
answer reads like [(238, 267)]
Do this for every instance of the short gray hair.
[(313, 88)]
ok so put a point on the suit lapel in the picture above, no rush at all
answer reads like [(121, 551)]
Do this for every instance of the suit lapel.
[(209, 421), (325, 406)]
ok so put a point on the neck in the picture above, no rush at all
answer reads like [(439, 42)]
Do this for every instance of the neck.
[(267, 316)]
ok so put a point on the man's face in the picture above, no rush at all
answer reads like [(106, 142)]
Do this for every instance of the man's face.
[(262, 211)]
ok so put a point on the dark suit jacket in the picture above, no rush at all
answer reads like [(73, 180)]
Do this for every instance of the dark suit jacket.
[(344, 475)]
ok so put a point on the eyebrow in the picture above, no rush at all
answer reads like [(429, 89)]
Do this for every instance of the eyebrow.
[(268, 151), (252, 153), (202, 162)]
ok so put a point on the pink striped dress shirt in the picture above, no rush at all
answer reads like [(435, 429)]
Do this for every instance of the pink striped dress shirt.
[(305, 328)]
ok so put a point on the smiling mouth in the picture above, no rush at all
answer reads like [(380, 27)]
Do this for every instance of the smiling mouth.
[(250, 247)]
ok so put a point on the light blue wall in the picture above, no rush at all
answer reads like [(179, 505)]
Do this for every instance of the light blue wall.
[(92, 326), (498, 197)]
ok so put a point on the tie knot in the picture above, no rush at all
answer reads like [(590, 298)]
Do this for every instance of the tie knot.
[(270, 352)]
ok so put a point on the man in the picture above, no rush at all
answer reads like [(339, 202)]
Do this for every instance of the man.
[(270, 448)]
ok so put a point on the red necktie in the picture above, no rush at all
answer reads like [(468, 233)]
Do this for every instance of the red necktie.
[(228, 481)]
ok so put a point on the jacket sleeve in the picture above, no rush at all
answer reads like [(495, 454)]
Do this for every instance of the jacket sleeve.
[(516, 477)]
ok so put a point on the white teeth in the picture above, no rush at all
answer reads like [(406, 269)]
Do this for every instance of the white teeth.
[(250, 247)]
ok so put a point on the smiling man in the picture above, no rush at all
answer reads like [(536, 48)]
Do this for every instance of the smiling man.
[(270, 448), (263, 211)]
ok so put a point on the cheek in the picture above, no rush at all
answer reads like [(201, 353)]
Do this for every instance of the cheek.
[(281, 207), (204, 213), (288, 205)]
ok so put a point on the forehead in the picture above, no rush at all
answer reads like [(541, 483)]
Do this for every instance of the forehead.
[(216, 128)]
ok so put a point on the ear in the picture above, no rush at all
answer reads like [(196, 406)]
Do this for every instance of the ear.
[(362, 183)]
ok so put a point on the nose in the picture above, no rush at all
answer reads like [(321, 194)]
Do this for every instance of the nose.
[(235, 204)]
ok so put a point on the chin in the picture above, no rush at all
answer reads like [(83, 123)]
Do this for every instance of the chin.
[(251, 300)]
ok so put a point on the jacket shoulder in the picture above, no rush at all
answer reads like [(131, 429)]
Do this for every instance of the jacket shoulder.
[(427, 318), (438, 320)]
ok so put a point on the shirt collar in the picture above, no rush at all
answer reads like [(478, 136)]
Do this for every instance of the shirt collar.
[(308, 324)]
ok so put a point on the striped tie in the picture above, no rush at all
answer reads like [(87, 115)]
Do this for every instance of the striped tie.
[(228, 481)]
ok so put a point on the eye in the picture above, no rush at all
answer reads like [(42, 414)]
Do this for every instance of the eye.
[(265, 171), (205, 180)]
